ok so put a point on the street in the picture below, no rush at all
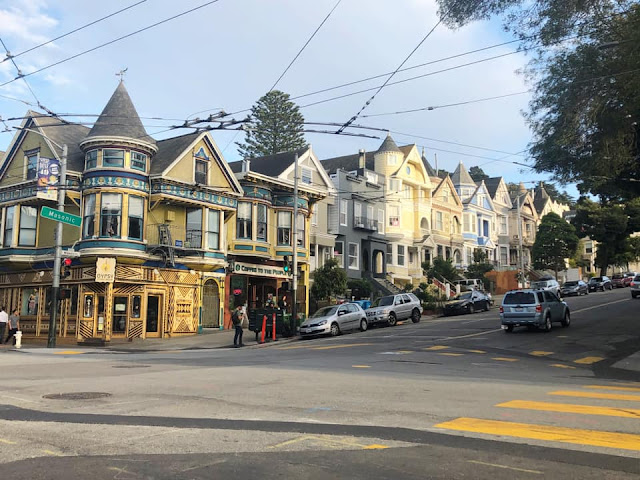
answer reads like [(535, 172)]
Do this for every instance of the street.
[(450, 397)]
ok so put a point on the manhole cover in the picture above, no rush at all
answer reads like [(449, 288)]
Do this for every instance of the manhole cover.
[(76, 396), (131, 366)]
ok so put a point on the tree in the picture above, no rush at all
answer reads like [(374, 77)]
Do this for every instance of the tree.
[(477, 174), (559, 195), (441, 269), (584, 112), (329, 280), (480, 267), (359, 287), (556, 241), (276, 126)]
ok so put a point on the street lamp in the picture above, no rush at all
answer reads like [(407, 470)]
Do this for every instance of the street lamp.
[(57, 259)]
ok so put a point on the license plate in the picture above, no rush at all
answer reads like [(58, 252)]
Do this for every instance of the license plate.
[(519, 309)]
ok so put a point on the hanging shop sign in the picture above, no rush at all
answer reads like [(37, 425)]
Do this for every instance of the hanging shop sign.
[(48, 178), (259, 270), (105, 270)]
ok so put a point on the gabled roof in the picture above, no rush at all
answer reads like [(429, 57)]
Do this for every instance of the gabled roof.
[(461, 176), (168, 151), (389, 145), (430, 170), (62, 132), (119, 118), (446, 181), (492, 185), (271, 165), (348, 162)]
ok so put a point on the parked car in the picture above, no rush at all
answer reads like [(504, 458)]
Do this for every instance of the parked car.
[(635, 286), (470, 284), (467, 302), (547, 284), (575, 287), (617, 281), (533, 308), (391, 308), (334, 320), (628, 278), (600, 283)]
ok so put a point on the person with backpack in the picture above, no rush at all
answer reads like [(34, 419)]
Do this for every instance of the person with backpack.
[(237, 317)]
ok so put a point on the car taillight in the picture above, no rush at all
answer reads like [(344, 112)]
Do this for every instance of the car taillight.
[(501, 309), (539, 308)]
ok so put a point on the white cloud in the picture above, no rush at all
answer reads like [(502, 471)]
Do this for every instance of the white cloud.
[(25, 21)]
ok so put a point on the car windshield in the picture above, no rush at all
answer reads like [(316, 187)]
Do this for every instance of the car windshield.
[(570, 284), (519, 298), (539, 284), (463, 296), (384, 302), (596, 279), (617, 277), (325, 312)]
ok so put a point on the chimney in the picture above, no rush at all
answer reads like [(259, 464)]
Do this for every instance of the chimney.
[(246, 165), (361, 159)]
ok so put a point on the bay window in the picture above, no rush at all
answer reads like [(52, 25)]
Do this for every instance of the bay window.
[(9, 217), (401, 255), (262, 223), (193, 235), (91, 159), (338, 253), (284, 228), (300, 226), (89, 217), (28, 224), (243, 222), (353, 256), (112, 157), (110, 213), (136, 217), (213, 229), (139, 161)]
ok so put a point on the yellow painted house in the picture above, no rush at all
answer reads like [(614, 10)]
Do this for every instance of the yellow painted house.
[(158, 209)]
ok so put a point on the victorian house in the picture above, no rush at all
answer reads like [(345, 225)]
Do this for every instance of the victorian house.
[(523, 223), (499, 194), (149, 256)]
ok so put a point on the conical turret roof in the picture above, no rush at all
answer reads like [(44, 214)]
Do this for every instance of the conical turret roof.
[(119, 118), (522, 190), (388, 145), (461, 176)]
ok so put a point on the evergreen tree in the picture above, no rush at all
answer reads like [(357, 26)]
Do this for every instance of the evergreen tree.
[(477, 174), (276, 126), (556, 241), (329, 280)]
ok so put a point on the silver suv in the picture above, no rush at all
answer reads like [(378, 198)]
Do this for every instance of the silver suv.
[(533, 308), (391, 308), (547, 284)]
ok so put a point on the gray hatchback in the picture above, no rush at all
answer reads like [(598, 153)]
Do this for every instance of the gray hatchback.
[(533, 308)]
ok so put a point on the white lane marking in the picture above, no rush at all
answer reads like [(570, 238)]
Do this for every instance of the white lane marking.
[(598, 306), (470, 335), (505, 466)]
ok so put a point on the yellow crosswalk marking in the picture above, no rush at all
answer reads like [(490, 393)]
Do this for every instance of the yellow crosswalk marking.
[(588, 360), (347, 345), (68, 352), (560, 365), (604, 396), (360, 366), (437, 347), (505, 359), (570, 408), (609, 387), (476, 351), (8, 442), (576, 436), (449, 354), (540, 353)]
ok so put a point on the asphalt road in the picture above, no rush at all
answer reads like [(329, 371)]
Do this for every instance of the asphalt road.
[(452, 397)]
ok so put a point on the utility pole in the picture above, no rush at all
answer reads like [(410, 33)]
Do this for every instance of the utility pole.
[(520, 253), (294, 307), (57, 259)]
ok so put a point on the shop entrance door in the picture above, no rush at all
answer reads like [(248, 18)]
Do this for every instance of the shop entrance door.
[(210, 305), (154, 316)]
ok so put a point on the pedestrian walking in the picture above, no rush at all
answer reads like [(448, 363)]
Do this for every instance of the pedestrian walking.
[(4, 320), (237, 317), (14, 325)]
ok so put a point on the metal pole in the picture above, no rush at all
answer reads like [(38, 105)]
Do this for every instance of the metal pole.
[(520, 242), (57, 259), (294, 306)]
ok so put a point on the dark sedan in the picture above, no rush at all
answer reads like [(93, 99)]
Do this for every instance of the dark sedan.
[(577, 287), (600, 283), (467, 302)]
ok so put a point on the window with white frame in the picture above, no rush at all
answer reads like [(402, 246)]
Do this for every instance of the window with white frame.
[(261, 233), (371, 177), (389, 253), (338, 253), (110, 213), (412, 258), (394, 186), (353, 256), (407, 191), (139, 161), (200, 174), (456, 225), (193, 236), (503, 225), (243, 220), (370, 216), (32, 165), (91, 159), (394, 216), (380, 220), (213, 229), (445, 195), (112, 157), (343, 211), (284, 228), (357, 213), (89, 217), (136, 217), (466, 225), (392, 159), (401, 255), (28, 226), (439, 223), (306, 175), (300, 226)]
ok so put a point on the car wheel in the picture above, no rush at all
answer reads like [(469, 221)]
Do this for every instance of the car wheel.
[(486, 306), (547, 323), (634, 294), (567, 320), (509, 329), (392, 319), (415, 315), (471, 308), (363, 325), (335, 330)]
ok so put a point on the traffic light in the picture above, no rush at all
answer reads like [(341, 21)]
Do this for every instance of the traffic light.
[(286, 266), (66, 268)]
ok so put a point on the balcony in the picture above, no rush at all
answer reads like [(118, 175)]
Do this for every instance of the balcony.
[(176, 236), (364, 223)]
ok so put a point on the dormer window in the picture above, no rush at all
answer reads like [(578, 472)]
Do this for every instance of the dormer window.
[(139, 161), (201, 172), (112, 158), (32, 165), (91, 159)]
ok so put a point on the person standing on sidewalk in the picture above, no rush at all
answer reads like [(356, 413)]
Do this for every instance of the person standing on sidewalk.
[(237, 317), (14, 325), (4, 320)]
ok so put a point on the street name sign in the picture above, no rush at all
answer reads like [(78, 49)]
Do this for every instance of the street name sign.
[(58, 216)]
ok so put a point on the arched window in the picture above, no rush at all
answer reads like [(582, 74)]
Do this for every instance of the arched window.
[(424, 224)]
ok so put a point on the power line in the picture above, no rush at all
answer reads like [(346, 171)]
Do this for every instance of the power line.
[(305, 45), (452, 143), (72, 31), (113, 41), (368, 102)]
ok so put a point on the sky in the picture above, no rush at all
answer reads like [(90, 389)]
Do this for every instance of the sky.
[(228, 54)]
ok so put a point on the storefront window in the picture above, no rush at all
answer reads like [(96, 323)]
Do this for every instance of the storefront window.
[(74, 301), (136, 302), (213, 232), (110, 213), (284, 228), (262, 223), (87, 306), (8, 226), (119, 315), (30, 301), (243, 224), (89, 219), (194, 228), (28, 224), (136, 217)]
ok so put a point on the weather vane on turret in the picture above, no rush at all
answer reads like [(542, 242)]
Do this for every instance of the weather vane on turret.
[(121, 74)]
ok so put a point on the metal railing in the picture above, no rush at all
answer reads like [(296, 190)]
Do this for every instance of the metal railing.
[(175, 236), (365, 223)]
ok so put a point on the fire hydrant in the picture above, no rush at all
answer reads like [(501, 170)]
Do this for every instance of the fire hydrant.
[(18, 336)]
